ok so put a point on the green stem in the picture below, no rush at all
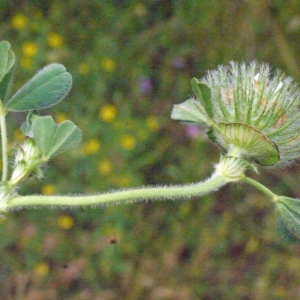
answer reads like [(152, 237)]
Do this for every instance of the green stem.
[(234, 151), (168, 192), (261, 187), (4, 143)]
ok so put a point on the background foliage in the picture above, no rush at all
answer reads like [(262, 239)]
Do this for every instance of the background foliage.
[(130, 62)]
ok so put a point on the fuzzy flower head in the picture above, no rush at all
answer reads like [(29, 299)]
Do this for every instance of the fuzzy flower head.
[(27, 161), (250, 108)]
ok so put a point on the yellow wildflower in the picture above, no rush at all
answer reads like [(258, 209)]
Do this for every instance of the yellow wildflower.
[(108, 113), (108, 64), (128, 142), (19, 21), (26, 63), (124, 181), (140, 10), (55, 40), (41, 269), (48, 189), (18, 135), (90, 147), (65, 222), (83, 68), (105, 167), (60, 117), (152, 123), (30, 49), (252, 245)]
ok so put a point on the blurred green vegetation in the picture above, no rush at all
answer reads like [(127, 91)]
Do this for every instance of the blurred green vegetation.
[(130, 62)]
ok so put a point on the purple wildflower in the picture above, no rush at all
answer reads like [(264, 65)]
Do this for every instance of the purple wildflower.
[(145, 85), (178, 62), (193, 131)]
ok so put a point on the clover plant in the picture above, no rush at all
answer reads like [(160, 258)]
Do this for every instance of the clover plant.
[(251, 114)]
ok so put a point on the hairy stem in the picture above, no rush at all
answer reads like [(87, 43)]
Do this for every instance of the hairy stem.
[(4, 143), (155, 193), (261, 187)]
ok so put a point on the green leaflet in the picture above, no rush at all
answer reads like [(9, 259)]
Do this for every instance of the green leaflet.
[(52, 138), (26, 126), (283, 230), (7, 58), (192, 110), (47, 88), (5, 84), (203, 93), (189, 111), (288, 219)]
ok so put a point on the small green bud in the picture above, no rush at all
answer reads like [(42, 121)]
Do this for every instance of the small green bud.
[(28, 152), (232, 168), (248, 107), (27, 161)]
